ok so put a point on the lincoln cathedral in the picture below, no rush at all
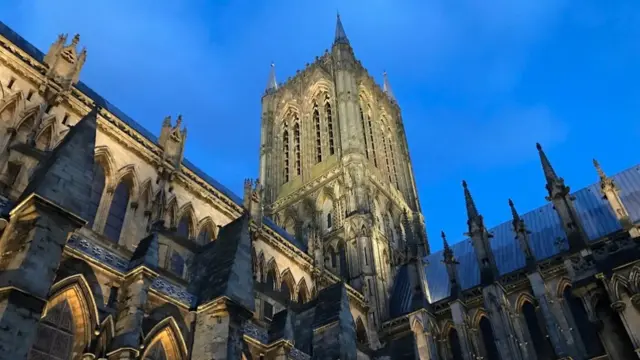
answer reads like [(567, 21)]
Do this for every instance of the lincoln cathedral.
[(114, 246)]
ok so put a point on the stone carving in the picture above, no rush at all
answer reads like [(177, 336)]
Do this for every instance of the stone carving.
[(174, 291)]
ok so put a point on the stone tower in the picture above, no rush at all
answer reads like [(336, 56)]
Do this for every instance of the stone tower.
[(336, 171)]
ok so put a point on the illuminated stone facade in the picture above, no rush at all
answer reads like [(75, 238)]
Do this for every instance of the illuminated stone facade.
[(114, 246)]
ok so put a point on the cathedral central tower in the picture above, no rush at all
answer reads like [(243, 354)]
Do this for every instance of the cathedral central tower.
[(336, 171)]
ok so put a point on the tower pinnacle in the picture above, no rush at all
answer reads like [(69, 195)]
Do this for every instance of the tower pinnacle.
[(341, 36), (386, 87), (272, 84), (549, 173), (472, 211)]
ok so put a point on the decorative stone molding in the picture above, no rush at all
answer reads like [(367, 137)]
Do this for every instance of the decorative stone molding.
[(618, 306)]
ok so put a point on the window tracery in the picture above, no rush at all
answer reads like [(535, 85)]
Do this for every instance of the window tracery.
[(327, 109), (393, 165), (386, 157), (372, 141), (285, 151), (364, 133), (156, 352), (296, 140), (55, 334), (316, 121)]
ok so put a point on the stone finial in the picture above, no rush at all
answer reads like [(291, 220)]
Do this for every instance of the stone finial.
[(554, 184), (172, 140), (472, 211), (447, 252), (522, 234), (272, 84), (386, 87), (65, 61)]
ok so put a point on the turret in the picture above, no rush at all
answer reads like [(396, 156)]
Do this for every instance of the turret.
[(452, 267), (611, 193), (252, 200), (480, 240), (522, 235), (559, 195)]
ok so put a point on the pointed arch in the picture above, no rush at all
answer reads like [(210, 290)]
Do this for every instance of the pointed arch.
[(272, 277), (106, 334), (186, 223), (303, 292), (103, 156), (361, 332), (44, 138), (16, 99), (121, 197), (168, 334), (71, 306), (620, 286), (206, 231), (562, 285), (522, 298), (634, 279), (145, 198), (27, 116), (171, 213), (287, 284), (128, 173)]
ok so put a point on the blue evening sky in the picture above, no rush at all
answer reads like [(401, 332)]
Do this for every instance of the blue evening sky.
[(479, 82)]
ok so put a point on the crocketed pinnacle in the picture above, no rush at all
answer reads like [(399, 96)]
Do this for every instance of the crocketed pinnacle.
[(601, 173), (472, 211), (447, 252), (386, 87), (341, 36), (272, 84), (514, 213), (549, 173)]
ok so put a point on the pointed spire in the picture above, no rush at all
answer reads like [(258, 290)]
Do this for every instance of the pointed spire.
[(272, 84), (447, 252), (514, 213), (386, 87), (601, 174), (341, 36), (472, 211), (549, 173)]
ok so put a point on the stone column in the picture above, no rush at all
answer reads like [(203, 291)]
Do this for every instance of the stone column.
[(30, 252), (458, 313), (562, 341), (629, 317), (126, 342), (219, 330), (503, 328)]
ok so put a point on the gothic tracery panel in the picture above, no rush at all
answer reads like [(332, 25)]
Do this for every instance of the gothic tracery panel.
[(54, 340)]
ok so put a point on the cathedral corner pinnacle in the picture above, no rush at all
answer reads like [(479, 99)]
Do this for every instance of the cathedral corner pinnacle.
[(272, 84), (386, 87)]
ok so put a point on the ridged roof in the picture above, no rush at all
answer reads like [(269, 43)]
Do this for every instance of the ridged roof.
[(544, 223)]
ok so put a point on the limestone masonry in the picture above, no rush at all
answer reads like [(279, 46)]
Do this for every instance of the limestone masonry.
[(114, 246)]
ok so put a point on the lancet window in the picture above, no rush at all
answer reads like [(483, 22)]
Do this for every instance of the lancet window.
[(117, 211), (55, 334), (386, 157), (364, 133), (372, 141), (296, 144), (316, 122), (285, 152), (393, 165), (327, 110)]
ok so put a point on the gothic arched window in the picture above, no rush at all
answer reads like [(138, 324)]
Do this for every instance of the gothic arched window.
[(329, 221), (285, 152), (184, 226), (327, 110), (393, 164), (97, 188), (342, 255), (372, 142), (488, 339), (296, 144), (386, 157), (205, 235), (271, 280), (177, 263), (285, 290), (42, 143), (364, 133), (541, 344), (54, 340), (454, 345), (586, 329), (117, 211), (361, 332), (316, 122)]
